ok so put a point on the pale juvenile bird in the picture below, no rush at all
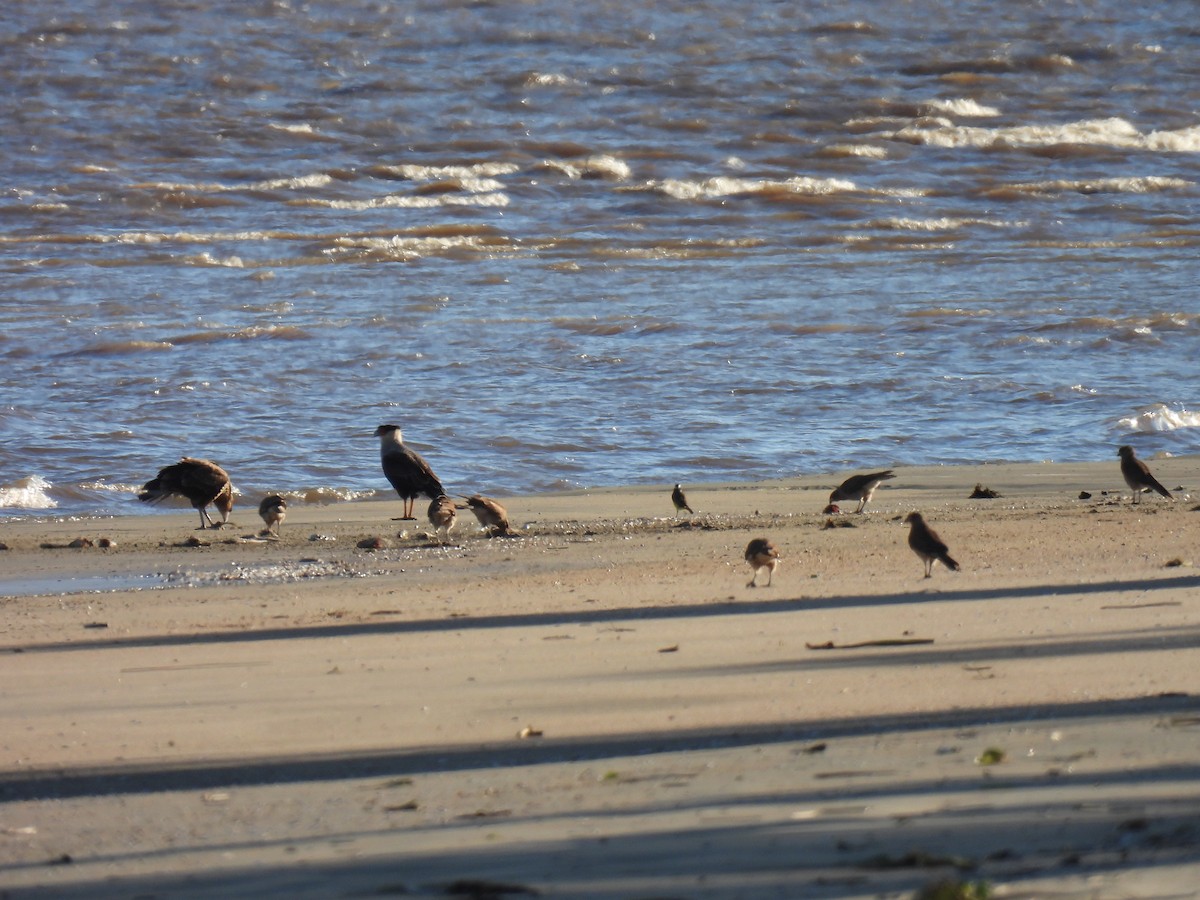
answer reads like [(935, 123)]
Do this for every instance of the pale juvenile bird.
[(442, 515), (761, 554), (273, 510), (927, 545), (408, 472), (491, 515), (1137, 475), (200, 481), (860, 488), (680, 501)]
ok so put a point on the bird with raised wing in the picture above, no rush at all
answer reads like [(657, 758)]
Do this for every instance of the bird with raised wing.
[(927, 545), (860, 488), (200, 481), (491, 515), (1137, 475), (406, 469), (761, 554)]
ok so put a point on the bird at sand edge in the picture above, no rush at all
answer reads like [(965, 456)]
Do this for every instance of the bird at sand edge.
[(1137, 475), (761, 554), (860, 488), (273, 510), (680, 501), (442, 515), (200, 481), (406, 469), (927, 545)]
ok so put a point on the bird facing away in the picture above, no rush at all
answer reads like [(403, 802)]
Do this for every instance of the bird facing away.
[(491, 515), (680, 501), (442, 515), (761, 554), (200, 481), (408, 472), (1137, 475), (927, 545), (860, 488), (273, 510)]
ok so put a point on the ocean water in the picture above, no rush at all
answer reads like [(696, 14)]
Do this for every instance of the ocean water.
[(576, 244)]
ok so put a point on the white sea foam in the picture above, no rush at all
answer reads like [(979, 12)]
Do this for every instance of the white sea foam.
[(441, 173), (608, 167), (725, 186), (1161, 418), (1113, 132), (966, 108), (1128, 185), (32, 492)]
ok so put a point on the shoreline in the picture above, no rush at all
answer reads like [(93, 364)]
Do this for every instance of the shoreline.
[(579, 708)]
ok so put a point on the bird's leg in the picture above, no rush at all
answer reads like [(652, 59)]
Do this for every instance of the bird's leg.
[(205, 521)]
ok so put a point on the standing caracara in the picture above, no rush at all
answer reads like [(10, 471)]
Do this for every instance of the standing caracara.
[(408, 472)]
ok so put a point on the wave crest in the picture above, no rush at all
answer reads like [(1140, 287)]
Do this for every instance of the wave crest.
[(1160, 418), (32, 492)]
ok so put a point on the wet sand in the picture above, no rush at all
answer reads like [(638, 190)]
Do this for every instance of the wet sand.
[(599, 706)]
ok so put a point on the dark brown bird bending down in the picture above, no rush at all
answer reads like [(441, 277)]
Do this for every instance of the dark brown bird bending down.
[(442, 515), (680, 501), (1137, 475), (860, 488), (408, 472), (273, 511), (200, 481), (491, 515), (927, 545), (761, 554)]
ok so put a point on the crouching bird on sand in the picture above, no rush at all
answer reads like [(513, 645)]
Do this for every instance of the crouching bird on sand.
[(927, 545), (408, 472), (200, 481)]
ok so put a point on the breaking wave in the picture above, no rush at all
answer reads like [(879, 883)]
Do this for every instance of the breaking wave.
[(1160, 418)]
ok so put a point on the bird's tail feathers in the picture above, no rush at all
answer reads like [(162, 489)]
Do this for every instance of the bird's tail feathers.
[(948, 562), (152, 492)]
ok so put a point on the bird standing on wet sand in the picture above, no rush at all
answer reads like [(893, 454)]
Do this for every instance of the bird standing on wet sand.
[(200, 481), (1137, 475), (273, 511), (442, 515), (927, 545), (680, 501), (491, 515), (860, 488), (761, 554), (408, 472)]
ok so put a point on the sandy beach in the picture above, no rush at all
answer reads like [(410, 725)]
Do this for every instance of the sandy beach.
[(599, 706)]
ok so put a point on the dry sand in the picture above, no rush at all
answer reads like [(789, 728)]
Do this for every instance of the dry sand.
[(601, 707)]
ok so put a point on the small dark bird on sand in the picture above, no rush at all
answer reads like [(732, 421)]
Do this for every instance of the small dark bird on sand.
[(408, 472), (860, 488), (927, 545), (761, 554), (491, 515), (273, 511), (680, 501), (442, 515), (1137, 475), (200, 481)]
